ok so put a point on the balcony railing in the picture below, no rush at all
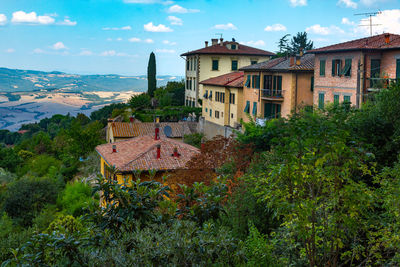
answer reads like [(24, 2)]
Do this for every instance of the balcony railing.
[(379, 83), (269, 93)]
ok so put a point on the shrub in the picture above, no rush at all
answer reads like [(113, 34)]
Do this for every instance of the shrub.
[(76, 198)]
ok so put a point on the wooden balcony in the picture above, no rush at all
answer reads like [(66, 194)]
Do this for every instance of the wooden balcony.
[(269, 94)]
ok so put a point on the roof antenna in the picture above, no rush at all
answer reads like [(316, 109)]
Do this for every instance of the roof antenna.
[(220, 35), (369, 14)]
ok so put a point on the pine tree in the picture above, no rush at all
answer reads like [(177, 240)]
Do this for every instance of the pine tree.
[(300, 41), (151, 75)]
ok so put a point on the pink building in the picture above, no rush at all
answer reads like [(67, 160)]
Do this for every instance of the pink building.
[(349, 71)]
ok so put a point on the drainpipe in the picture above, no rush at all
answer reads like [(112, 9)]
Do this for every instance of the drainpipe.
[(295, 96), (229, 107)]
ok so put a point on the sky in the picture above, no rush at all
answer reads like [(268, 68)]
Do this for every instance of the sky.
[(117, 36)]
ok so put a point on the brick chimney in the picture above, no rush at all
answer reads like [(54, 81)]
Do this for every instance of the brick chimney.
[(387, 38), (131, 119), (221, 41), (291, 61), (214, 41), (176, 154), (114, 148), (206, 42), (298, 61), (157, 132), (158, 146)]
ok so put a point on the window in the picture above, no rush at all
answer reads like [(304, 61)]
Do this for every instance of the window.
[(187, 84), (253, 62), (277, 85), (247, 108), (256, 81), (347, 68), (268, 82), (217, 114), (206, 94), (336, 67), (248, 81), (312, 84), (232, 115), (187, 102), (254, 108), (215, 64), (375, 71), (210, 95), (233, 46), (234, 64), (222, 114), (222, 96), (210, 113), (217, 96), (398, 68), (346, 99), (322, 68), (206, 109), (272, 110), (187, 64), (336, 99), (194, 84), (321, 100), (231, 98)]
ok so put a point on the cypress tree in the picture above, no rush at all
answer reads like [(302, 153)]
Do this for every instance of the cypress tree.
[(151, 75)]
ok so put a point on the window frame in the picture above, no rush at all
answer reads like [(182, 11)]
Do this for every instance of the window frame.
[(322, 67), (213, 61)]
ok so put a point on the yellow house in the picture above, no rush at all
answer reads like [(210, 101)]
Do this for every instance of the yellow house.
[(213, 60), (124, 160), (222, 104), (278, 87)]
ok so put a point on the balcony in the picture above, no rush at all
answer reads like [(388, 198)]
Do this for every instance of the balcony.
[(376, 84), (269, 94)]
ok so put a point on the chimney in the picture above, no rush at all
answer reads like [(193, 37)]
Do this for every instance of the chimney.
[(298, 62), (176, 154), (158, 151), (157, 132), (387, 38), (291, 61), (131, 119), (301, 51), (214, 41), (221, 41), (114, 149), (206, 42)]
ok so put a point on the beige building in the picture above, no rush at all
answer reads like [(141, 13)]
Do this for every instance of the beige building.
[(276, 88), (222, 104), (214, 60)]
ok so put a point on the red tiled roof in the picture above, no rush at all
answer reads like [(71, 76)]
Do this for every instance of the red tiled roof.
[(126, 129), (283, 64), (233, 79), (373, 42), (140, 154), (223, 49)]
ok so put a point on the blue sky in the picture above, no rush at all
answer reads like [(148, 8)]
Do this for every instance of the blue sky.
[(116, 36)]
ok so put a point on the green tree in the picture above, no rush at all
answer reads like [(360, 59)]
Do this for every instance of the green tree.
[(140, 101), (76, 198), (284, 46), (300, 41), (151, 75)]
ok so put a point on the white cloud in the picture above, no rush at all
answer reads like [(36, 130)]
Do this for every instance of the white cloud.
[(370, 3), (67, 22), (295, 3), (38, 51), (150, 27), (168, 51), (86, 53), (10, 50), (164, 2), (389, 21), (119, 39), (59, 46), (148, 41), (113, 53), (168, 42), (109, 39), (346, 21), (320, 30), (175, 20), (348, 3), (228, 26), (182, 10), (3, 19), (31, 18), (254, 43), (134, 40), (275, 28), (125, 28)]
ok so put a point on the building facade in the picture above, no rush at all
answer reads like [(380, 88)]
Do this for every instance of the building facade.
[(276, 88), (222, 104), (213, 60), (348, 72)]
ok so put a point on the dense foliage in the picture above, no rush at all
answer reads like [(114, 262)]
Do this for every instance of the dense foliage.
[(151, 75)]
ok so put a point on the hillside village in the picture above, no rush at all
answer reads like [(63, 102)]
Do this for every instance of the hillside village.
[(255, 159)]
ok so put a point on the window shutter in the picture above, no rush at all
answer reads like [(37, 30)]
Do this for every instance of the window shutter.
[(312, 83), (279, 83), (322, 68), (321, 100), (254, 108), (278, 110), (247, 108), (248, 81), (398, 69), (346, 98), (333, 68), (267, 110), (258, 81), (274, 84), (336, 99)]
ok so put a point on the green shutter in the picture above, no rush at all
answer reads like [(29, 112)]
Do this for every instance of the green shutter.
[(333, 68), (279, 87), (234, 65), (254, 108), (322, 68), (278, 111), (336, 99), (274, 84), (248, 81), (247, 108), (321, 100), (398, 69), (258, 81), (210, 112), (215, 64), (312, 83), (346, 99), (267, 110)]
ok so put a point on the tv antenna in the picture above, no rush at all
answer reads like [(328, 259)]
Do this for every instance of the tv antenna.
[(369, 14), (220, 35)]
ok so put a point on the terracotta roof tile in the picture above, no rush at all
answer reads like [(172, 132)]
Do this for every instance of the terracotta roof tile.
[(283, 64), (373, 42), (140, 154), (127, 130), (233, 79), (223, 49)]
